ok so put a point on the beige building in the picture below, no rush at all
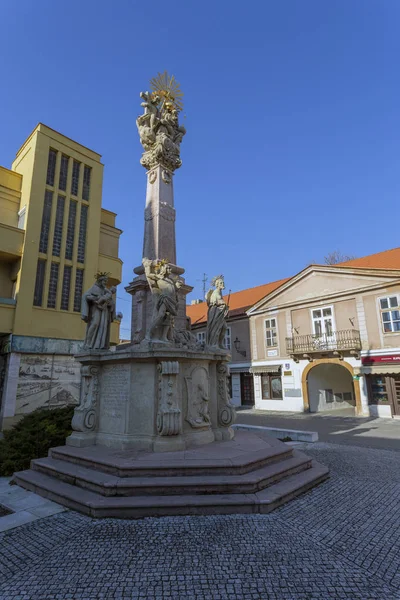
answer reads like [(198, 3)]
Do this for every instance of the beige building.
[(237, 338), (54, 237), (326, 339)]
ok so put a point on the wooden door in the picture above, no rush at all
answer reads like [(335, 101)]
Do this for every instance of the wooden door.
[(247, 389), (395, 395)]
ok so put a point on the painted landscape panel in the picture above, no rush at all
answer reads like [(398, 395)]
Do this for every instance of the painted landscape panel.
[(47, 382)]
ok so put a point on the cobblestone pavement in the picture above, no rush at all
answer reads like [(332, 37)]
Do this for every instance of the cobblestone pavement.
[(334, 427), (339, 541)]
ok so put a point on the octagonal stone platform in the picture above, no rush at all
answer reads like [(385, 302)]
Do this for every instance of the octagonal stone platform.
[(249, 474)]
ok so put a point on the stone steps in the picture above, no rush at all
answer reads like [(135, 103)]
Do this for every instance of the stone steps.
[(110, 485), (138, 506), (130, 464), (251, 473)]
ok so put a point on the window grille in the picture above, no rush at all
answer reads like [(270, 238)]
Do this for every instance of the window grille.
[(44, 233), (53, 283), (66, 287), (51, 167), (58, 227), (39, 284), (69, 247), (82, 233), (78, 290), (62, 184), (87, 171)]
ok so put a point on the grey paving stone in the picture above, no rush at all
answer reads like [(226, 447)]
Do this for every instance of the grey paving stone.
[(339, 541)]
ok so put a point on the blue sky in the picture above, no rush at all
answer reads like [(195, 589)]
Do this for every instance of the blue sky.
[(291, 110)]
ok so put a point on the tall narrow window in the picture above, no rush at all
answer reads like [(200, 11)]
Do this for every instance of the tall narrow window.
[(323, 321), (53, 283), (69, 247), (271, 338), (44, 234), (78, 290), (58, 227), (39, 284), (62, 184), (82, 233), (75, 178), (51, 167), (66, 287), (87, 171), (201, 337), (227, 338)]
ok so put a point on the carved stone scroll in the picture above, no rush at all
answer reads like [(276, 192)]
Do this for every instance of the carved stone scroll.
[(85, 415), (169, 413), (226, 411)]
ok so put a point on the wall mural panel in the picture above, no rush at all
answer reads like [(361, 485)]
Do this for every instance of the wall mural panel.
[(47, 382)]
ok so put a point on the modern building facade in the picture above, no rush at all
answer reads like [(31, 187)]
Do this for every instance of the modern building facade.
[(327, 338), (54, 238)]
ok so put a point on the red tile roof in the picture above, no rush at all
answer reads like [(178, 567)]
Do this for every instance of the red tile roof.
[(389, 259), (239, 302)]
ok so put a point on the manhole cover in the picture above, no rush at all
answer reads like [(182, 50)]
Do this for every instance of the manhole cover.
[(4, 511)]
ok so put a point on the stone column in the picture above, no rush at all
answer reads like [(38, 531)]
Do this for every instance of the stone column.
[(159, 215)]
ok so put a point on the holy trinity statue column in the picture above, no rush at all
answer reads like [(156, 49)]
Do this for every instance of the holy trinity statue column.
[(161, 136)]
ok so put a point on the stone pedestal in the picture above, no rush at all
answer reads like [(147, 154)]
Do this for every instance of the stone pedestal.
[(142, 304), (153, 397)]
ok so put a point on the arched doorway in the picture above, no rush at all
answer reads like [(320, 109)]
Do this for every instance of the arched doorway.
[(328, 385)]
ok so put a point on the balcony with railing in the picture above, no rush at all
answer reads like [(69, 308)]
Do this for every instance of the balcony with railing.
[(336, 342)]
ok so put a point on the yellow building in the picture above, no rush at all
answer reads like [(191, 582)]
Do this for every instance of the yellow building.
[(54, 238)]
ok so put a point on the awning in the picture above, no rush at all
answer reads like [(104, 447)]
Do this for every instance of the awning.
[(380, 369), (257, 370), (238, 370)]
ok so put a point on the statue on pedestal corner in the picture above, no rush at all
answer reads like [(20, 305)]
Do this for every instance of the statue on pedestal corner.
[(217, 314), (165, 298), (98, 311)]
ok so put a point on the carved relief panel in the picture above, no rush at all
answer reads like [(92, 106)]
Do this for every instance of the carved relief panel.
[(169, 413), (198, 398)]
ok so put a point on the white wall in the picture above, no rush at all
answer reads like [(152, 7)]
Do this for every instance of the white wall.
[(329, 376), (291, 385), (236, 392)]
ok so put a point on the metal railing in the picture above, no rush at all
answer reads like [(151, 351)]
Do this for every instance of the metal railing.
[(347, 339)]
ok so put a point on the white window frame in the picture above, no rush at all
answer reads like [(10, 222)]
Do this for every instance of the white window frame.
[(201, 337), (276, 345), (21, 218), (389, 310), (314, 319), (228, 339)]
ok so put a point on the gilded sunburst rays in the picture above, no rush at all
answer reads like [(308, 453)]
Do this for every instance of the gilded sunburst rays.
[(168, 89)]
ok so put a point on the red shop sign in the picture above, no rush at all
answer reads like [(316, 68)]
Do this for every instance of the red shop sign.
[(388, 358)]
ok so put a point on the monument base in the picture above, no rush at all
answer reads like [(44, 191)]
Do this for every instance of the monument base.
[(153, 396), (249, 474)]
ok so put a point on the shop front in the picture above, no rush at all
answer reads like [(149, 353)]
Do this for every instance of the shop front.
[(382, 374)]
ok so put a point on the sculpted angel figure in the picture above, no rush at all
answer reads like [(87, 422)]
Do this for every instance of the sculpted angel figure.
[(165, 298), (159, 130), (98, 311), (217, 313)]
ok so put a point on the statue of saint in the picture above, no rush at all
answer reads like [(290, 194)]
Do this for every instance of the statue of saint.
[(165, 298), (217, 313), (98, 311)]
